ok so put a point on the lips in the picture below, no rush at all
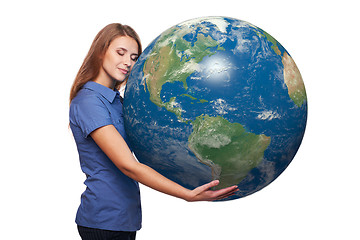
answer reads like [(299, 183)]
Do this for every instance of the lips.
[(124, 71)]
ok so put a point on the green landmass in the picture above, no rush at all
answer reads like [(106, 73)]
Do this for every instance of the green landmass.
[(194, 98), (293, 81), (189, 96), (227, 148), (175, 59), (171, 106)]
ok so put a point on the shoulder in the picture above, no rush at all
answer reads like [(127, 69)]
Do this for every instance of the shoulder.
[(88, 104), (88, 112), (87, 99), (85, 95)]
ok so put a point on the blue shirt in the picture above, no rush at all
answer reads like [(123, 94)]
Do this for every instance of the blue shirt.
[(111, 200)]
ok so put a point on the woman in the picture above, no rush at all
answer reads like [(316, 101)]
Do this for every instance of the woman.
[(110, 206)]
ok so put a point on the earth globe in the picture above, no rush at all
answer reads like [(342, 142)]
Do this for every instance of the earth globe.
[(216, 98)]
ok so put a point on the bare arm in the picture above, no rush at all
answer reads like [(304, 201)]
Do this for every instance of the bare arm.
[(114, 146)]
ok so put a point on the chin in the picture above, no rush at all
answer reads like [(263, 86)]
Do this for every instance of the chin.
[(120, 78)]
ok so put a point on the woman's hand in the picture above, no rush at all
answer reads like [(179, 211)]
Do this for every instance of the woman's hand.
[(203, 193)]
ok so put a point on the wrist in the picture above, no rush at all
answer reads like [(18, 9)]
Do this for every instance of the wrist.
[(188, 195)]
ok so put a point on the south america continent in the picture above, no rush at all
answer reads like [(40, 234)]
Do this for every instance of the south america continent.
[(227, 148)]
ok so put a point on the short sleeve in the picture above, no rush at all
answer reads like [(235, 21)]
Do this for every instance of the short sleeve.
[(89, 113)]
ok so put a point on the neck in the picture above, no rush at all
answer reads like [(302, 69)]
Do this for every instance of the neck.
[(105, 79)]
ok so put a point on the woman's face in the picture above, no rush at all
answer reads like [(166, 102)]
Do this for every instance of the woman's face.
[(120, 57)]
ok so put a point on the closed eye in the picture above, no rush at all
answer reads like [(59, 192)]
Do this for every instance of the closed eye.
[(134, 57)]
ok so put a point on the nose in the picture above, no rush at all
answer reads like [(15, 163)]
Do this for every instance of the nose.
[(127, 61)]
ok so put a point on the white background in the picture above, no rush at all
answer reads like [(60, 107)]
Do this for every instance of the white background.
[(42, 46)]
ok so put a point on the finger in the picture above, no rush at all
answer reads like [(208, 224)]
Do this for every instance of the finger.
[(224, 191), (207, 186), (221, 197)]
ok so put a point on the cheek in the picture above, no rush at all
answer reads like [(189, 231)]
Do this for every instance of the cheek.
[(110, 67), (110, 60)]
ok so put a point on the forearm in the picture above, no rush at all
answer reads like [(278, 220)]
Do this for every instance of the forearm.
[(117, 150), (154, 180)]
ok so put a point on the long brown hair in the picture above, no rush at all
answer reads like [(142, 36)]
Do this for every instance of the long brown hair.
[(90, 68)]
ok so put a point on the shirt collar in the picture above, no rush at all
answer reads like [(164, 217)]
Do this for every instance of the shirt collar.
[(106, 92)]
